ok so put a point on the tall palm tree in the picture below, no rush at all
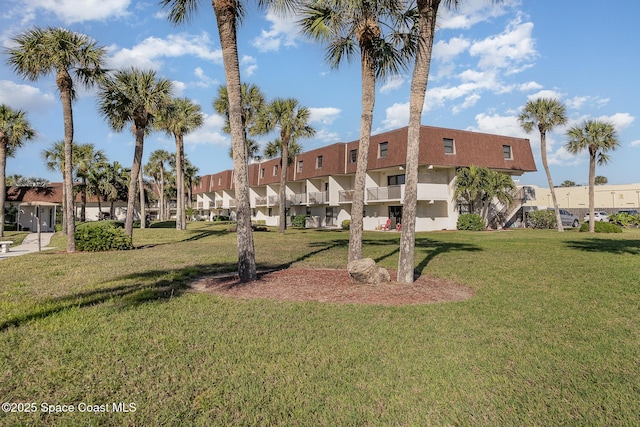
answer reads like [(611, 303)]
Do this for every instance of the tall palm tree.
[(182, 117), (54, 158), (115, 185), (545, 114), (292, 120), (228, 14), (137, 97), (59, 51), (381, 31), (86, 159), (427, 11), (252, 103), (15, 130), (191, 178), (274, 149), (156, 168), (478, 188), (597, 137)]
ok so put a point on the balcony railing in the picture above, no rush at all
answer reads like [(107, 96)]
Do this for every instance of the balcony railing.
[(218, 204), (232, 203), (274, 200), (318, 198), (345, 196), (261, 201), (200, 205), (298, 199), (392, 192)]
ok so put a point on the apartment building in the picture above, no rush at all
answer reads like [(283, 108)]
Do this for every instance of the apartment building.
[(320, 182)]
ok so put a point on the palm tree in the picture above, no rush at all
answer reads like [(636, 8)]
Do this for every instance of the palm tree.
[(15, 130), (292, 120), (228, 15), (54, 158), (601, 180), (191, 178), (115, 185), (427, 11), (568, 183), (156, 169), (86, 159), (381, 31), (274, 149), (252, 103), (137, 97), (478, 188), (598, 138), (545, 114), (181, 118), (59, 51)]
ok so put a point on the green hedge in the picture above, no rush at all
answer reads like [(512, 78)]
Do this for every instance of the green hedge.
[(299, 221), (346, 224), (472, 222), (542, 219), (101, 236), (602, 227)]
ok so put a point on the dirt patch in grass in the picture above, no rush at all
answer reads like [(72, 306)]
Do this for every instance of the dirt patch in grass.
[(332, 286)]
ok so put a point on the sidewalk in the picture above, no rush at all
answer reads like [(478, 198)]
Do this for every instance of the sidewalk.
[(29, 245)]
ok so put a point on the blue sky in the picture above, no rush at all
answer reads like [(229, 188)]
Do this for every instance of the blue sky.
[(488, 61)]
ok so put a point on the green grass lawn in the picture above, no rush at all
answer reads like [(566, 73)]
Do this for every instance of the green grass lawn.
[(552, 336)]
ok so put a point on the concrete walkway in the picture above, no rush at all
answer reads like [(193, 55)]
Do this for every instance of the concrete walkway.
[(29, 245)]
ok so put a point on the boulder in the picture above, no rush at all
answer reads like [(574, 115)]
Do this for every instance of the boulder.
[(366, 271)]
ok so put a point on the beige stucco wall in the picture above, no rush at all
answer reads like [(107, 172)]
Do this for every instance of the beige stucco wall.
[(607, 197)]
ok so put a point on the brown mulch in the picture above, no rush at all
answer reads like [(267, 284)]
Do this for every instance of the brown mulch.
[(332, 286)]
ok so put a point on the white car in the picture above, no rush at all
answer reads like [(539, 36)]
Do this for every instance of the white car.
[(601, 216)]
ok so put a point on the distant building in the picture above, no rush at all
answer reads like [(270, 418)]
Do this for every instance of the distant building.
[(320, 182)]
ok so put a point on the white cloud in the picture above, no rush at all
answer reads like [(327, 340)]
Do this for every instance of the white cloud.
[(635, 143), (25, 97), (204, 81), (324, 115), (445, 51), (392, 83), (210, 133), (149, 52), (512, 50), (470, 13), (578, 102), (283, 31), (545, 93), (396, 116), (70, 11), (249, 65), (619, 120), (526, 87), (326, 136)]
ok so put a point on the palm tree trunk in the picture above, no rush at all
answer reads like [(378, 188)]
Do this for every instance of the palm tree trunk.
[(592, 186), (545, 164), (163, 212), (3, 184), (283, 183), (65, 85), (180, 209), (83, 201), (143, 211), (226, 19), (428, 10), (366, 121), (133, 182)]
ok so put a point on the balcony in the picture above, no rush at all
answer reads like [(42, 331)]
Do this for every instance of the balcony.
[(232, 203), (274, 200), (218, 204), (261, 201), (298, 199), (393, 192), (345, 196), (200, 205), (318, 198)]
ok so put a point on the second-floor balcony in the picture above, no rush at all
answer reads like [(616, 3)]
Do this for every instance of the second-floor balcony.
[(392, 192), (218, 204), (318, 198), (261, 201), (232, 203), (274, 200), (298, 199), (345, 196)]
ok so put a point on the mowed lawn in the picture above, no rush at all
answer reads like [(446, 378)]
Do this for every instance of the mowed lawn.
[(552, 336)]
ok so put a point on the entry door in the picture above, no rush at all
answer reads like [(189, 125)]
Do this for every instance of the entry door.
[(395, 214)]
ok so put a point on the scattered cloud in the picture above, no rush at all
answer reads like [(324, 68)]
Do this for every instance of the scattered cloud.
[(324, 115), (326, 136), (578, 102), (249, 65), (204, 81), (149, 53), (210, 133), (470, 13), (635, 143), (392, 83), (25, 97), (283, 31), (70, 12)]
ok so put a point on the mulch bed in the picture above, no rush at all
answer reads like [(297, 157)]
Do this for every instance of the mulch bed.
[(332, 286)]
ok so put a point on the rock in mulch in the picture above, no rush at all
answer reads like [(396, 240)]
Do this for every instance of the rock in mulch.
[(366, 271)]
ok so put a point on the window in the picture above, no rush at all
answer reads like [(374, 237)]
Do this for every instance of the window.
[(383, 149), (506, 151), (395, 180), (353, 156), (262, 173), (275, 170), (220, 181), (449, 147), (319, 162), (300, 165)]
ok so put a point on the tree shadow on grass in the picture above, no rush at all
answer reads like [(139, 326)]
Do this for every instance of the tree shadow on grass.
[(621, 246), (148, 286), (435, 248)]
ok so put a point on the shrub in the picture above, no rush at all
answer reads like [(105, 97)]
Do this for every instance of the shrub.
[(261, 222), (542, 219), (346, 224), (624, 219), (602, 227), (473, 222), (10, 227), (101, 236), (299, 221)]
